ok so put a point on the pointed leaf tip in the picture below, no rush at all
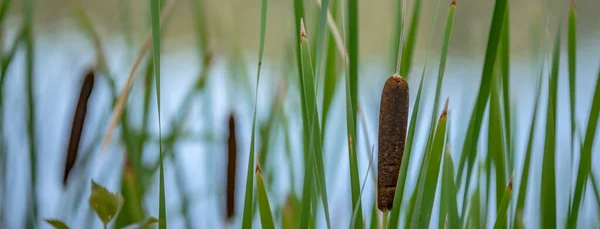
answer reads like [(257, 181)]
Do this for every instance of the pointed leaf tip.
[(302, 29), (453, 3), (445, 110)]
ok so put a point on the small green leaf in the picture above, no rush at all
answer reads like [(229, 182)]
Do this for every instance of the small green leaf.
[(105, 204), (143, 224), (57, 223)]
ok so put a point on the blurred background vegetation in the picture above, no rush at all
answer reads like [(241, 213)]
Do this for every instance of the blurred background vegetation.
[(208, 54)]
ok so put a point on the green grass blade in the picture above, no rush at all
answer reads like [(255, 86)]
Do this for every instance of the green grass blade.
[(247, 215), (472, 137), (475, 213), (353, 63), (155, 18), (431, 174), (505, 69), (572, 52), (415, 206), (352, 106), (307, 185), (448, 193), (315, 144), (331, 75), (496, 139), (322, 31), (394, 217), (503, 208), (409, 46), (585, 160), (443, 57), (28, 11), (264, 208), (374, 220), (548, 188), (596, 189), (527, 162)]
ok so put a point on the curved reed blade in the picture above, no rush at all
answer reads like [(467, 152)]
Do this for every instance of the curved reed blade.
[(431, 174), (527, 161), (315, 144), (585, 160), (264, 208), (548, 184), (503, 207), (78, 123), (122, 99), (248, 197), (448, 204), (471, 139), (393, 120)]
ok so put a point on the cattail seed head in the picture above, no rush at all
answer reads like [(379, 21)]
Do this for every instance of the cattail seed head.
[(393, 119), (78, 122), (231, 168)]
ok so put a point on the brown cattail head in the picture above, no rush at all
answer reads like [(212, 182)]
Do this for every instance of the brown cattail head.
[(393, 119), (231, 168), (78, 122)]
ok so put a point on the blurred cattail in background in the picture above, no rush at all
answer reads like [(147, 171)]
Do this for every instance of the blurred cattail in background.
[(78, 122)]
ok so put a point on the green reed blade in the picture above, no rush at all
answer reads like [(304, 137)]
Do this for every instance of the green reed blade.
[(248, 197), (585, 160), (548, 184), (431, 174), (264, 208), (155, 18), (503, 207), (472, 136), (527, 162)]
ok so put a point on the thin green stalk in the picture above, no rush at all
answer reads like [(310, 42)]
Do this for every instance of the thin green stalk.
[(596, 189), (28, 9), (548, 185), (407, 54), (307, 185), (572, 51), (431, 170), (155, 19), (264, 208), (448, 205), (527, 162), (496, 141), (505, 69), (247, 215), (352, 105), (315, 144), (503, 207), (585, 160), (472, 137), (353, 64), (331, 75)]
